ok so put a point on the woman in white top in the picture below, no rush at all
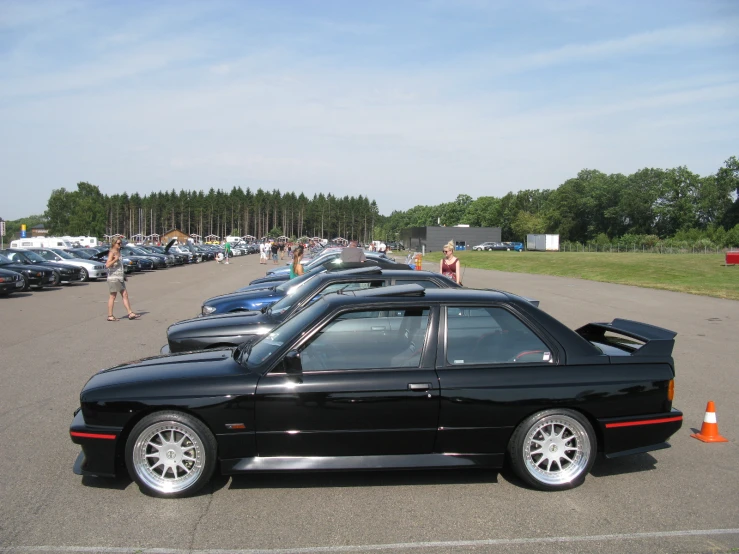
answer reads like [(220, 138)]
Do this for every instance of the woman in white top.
[(117, 281)]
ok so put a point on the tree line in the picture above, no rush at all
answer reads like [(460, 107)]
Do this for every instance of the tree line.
[(595, 206), (86, 211)]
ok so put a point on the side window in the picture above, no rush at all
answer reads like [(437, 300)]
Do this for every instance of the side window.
[(425, 283), (368, 339), (490, 336), (45, 254)]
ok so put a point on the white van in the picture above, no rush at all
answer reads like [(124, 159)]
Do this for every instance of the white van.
[(40, 242), (84, 242)]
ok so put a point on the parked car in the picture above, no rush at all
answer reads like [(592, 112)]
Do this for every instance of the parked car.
[(62, 272), (169, 259), (90, 270), (179, 259), (158, 261), (445, 378), (259, 299), (10, 282), (33, 275), (129, 265), (483, 246), (333, 258), (210, 331)]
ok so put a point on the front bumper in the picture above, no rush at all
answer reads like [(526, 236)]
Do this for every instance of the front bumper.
[(99, 446), (97, 273)]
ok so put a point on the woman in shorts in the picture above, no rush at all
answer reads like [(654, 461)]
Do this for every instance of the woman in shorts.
[(117, 281)]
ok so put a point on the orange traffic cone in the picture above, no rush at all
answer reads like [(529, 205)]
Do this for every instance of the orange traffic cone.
[(709, 429)]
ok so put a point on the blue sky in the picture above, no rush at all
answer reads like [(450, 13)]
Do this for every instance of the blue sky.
[(405, 102)]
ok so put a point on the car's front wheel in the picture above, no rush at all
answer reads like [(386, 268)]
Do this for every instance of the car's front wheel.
[(84, 274), (553, 449), (170, 454), (56, 279)]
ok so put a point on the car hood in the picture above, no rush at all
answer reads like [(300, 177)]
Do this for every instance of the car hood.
[(206, 364), (249, 323), (30, 267), (259, 286), (236, 297), (271, 279)]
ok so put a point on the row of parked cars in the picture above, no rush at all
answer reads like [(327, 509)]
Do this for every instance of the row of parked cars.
[(493, 246), (374, 366), (24, 268)]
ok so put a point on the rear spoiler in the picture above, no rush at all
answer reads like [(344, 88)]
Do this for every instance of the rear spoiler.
[(657, 341)]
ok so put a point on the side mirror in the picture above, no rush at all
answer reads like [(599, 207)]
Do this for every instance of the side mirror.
[(292, 363)]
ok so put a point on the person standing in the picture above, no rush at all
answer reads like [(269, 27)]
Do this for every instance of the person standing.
[(227, 251), (282, 249), (263, 253), (450, 266), (274, 248), (352, 254), (296, 268), (117, 281)]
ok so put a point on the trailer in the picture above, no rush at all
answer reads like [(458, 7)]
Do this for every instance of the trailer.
[(543, 243)]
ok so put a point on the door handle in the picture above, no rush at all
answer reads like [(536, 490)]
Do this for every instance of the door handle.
[(419, 386)]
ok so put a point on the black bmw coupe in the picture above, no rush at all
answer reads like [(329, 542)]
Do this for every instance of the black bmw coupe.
[(387, 378)]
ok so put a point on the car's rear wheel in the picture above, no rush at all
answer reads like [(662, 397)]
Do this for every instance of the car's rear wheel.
[(170, 454), (553, 449)]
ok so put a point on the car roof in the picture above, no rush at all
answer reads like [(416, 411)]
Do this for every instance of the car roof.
[(401, 293)]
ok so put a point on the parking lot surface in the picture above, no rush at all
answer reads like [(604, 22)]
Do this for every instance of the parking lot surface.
[(683, 499)]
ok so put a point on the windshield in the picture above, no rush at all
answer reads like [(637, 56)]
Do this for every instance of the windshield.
[(291, 298), (138, 251), (62, 254), (291, 285), (322, 259), (84, 254), (4, 260), (32, 257), (294, 327)]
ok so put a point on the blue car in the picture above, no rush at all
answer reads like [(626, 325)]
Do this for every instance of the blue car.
[(252, 300)]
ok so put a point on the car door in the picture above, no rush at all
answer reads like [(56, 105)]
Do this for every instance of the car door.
[(367, 387), (495, 367)]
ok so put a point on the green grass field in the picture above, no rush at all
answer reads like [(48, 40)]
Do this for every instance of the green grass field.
[(692, 273)]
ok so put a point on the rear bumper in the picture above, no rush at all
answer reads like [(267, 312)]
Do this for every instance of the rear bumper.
[(632, 435), (99, 446)]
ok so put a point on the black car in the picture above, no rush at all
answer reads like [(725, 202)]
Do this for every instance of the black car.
[(33, 275), (135, 263), (177, 259), (388, 378), (257, 299), (331, 261), (10, 281), (63, 273), (158, 261), (215, 331)]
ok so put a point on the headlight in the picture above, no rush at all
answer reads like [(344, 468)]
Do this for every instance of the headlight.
[(208, 310)]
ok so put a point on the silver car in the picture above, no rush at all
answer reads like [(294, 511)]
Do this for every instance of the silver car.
[(90, 269)]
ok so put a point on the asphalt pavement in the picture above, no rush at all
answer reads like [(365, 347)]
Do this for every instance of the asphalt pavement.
[(683, 499)]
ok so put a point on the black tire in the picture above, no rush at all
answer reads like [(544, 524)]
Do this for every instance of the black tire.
[(189, 460), (559, 432), (56, 279), (26, 283), (85, 275)]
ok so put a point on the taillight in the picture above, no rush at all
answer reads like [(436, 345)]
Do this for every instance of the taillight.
[(671, 390)]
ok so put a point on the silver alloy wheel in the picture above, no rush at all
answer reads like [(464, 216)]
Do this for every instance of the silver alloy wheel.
[(168, 456), (556, 450), (85, 274)]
